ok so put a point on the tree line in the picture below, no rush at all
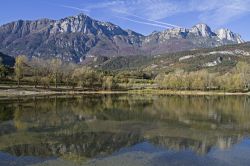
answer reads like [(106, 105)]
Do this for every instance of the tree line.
[(236, 80), (54, 72)]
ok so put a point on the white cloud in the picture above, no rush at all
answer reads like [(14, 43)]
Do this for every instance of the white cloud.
[(151, 12), (217, 11), (220, 11), (141, 11)]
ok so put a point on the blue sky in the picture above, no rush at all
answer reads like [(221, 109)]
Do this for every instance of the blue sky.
[(143, 16)]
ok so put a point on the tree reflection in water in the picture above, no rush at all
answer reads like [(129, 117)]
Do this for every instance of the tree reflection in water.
[(88, 126)]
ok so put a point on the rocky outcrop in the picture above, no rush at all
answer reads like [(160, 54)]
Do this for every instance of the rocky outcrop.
[(225, 34)]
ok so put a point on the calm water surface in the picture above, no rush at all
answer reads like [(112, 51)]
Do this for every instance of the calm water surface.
[(126, 130)]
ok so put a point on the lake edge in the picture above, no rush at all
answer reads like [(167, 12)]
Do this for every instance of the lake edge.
[(41, 92)]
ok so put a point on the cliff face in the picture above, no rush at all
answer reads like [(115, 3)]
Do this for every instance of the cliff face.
[(77, 37), (226, 34)]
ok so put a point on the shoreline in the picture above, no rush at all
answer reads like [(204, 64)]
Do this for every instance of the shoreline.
[(17, 92), (191, 93)]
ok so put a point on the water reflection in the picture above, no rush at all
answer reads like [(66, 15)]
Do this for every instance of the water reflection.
[(84, 127)]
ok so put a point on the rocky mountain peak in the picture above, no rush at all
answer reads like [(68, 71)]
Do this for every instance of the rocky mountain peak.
[(72, 24), (84, 24), (81, 15), (226, 34), (202, 30)]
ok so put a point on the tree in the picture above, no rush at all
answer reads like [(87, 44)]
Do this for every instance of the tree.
[(201, 80), (179, 80), (36, 67), (55, 66), (159, 79), (45, 81), (67, 72), (3, 71), (20, 67), (230, 82), (87, 77), (243, 69), (108, 82)]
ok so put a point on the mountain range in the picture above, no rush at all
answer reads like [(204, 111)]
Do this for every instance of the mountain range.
[(77, 37)]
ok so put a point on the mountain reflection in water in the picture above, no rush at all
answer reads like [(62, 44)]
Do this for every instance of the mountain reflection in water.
[(80, 128)]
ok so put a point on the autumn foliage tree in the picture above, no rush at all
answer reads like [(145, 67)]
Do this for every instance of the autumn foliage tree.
[(108, 82), (87, 77), (20, 67), (56, 70)]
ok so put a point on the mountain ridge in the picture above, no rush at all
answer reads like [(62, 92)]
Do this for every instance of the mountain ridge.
[(76, 37)]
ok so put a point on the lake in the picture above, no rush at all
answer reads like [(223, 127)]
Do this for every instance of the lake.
[(125, 130)]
